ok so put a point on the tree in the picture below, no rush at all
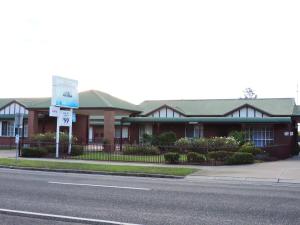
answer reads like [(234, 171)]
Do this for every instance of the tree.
[(249, 93)]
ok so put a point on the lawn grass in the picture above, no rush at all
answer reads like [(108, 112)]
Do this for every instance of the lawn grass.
[(103, 156), (97, 167)]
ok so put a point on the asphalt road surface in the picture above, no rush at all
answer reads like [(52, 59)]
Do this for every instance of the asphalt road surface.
[(32, 197)]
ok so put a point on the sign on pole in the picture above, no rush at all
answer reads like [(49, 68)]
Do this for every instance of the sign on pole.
[(64, 95), (64, 92), (65, 118), (18, 124), (54, 111)]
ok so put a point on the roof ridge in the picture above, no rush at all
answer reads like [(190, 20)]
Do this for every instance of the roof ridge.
[(99, 96), (212, 99)]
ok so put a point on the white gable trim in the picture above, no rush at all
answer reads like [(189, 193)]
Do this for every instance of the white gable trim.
[(247, 112), (165, 112)]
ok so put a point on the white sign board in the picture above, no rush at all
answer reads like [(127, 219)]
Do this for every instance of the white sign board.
[(64, 92), (54, 111), (65, 118)]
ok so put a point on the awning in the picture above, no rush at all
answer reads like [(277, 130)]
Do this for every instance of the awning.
[(208, 120)]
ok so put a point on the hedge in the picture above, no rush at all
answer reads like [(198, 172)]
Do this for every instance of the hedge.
[(194, 157), (240, 158), (219, 155), (34, 152), (172, 157), (141, 150)]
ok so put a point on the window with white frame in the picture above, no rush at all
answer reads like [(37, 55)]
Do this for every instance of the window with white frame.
[(260, 136), (145, 129), (124, 132), (194, 131), (8, 129)]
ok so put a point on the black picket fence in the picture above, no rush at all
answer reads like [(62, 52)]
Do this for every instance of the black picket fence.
[(120, 153)]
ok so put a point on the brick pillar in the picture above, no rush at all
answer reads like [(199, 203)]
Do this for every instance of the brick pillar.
[(32, 123), (109, 126)]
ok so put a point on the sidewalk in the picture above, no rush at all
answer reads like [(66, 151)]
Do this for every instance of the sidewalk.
[(279, 171)]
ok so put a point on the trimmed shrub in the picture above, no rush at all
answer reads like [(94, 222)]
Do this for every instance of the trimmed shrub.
[(50, 148), (76, 150), (183, 143), (34, 152), (49, 137), (166, 138), (239, 136), (221, 143), (172, 157), (141, 150), (194, 157), (250, 148), (240, 158), (219, 155)]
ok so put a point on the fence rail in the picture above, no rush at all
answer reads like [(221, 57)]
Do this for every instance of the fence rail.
[(126, 153)]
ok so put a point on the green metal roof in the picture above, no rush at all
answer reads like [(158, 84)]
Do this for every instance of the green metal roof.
[(87, 99), (208, 120), (220, 107)]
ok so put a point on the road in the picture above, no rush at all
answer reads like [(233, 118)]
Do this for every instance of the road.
[(117, 200)]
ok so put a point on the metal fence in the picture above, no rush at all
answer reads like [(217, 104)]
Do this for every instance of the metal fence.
[(124, 153)]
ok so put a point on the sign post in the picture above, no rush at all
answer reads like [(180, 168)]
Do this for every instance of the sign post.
[(18, 125), (64, 95)]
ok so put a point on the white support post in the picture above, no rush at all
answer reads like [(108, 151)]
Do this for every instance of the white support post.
[(70, 134), (57, 139)]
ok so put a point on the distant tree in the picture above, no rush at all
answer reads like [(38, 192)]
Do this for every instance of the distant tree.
[(249, 93)]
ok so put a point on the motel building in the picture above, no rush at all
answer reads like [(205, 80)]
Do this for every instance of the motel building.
[(269, 122)]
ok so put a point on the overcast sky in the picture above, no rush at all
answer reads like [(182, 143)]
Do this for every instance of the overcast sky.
[(138, 50)]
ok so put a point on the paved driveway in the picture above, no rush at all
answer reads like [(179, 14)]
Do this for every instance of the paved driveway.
[(7, 153), (283, 170)]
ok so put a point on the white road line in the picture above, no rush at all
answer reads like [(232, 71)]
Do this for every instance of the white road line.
[(60, 217), (99, 185)]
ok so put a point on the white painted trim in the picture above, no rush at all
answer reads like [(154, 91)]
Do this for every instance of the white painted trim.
[(99, 185), (60, 217)]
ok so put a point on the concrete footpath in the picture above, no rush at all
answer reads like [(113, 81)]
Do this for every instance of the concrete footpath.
[(279, 171)]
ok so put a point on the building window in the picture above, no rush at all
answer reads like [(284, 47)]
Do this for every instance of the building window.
[(194, 131), (8, 129), (145, 129), (124, 132), (260, 136)]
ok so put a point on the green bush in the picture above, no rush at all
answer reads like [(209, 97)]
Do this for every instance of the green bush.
[(248, 147), (50, 137), (183, 143), (34, 152), (194, 157), (141, 150), (219, 155), (166, 139), (240, 158), (172, 157), (50, 148), (221, 143), (199, 143), (239, 136), (76, 150)]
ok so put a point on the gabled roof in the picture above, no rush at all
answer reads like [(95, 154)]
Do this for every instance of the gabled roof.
[(87, 99), (220, 107)]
